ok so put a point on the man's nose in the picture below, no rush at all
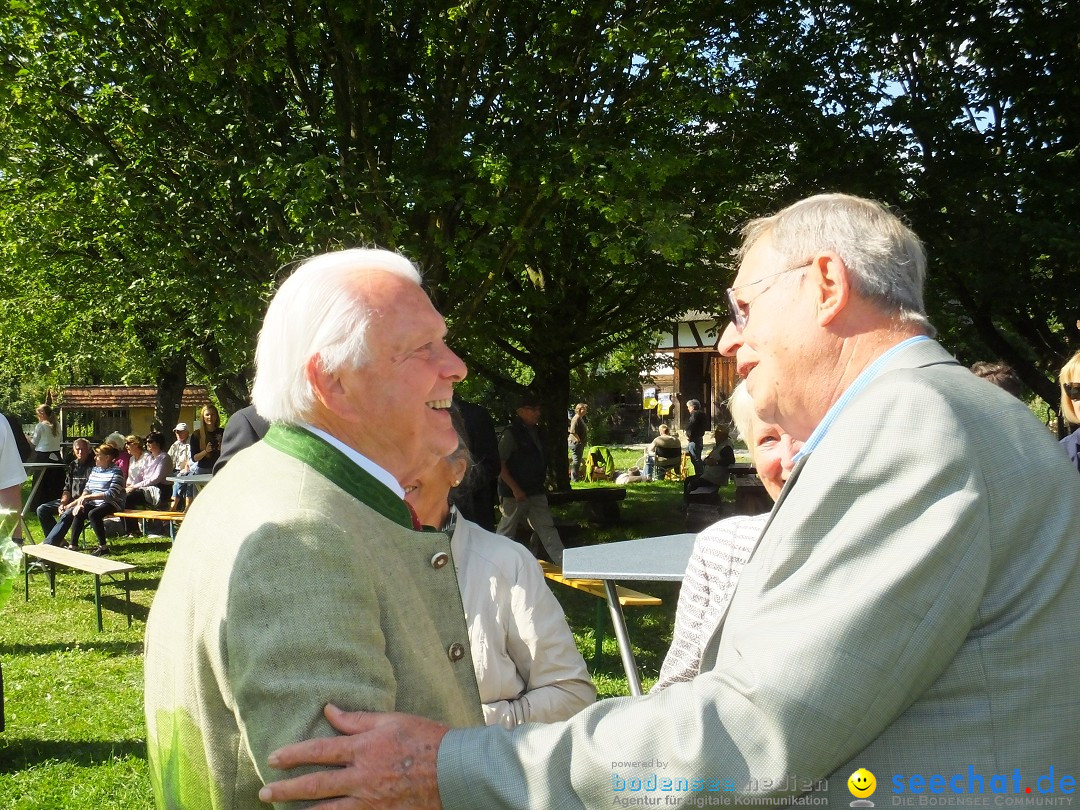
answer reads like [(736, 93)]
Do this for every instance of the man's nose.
[(453, 366), (729, 341)]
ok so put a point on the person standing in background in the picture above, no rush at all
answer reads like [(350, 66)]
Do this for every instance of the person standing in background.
[(12, 476), (522, 492), (206, 441), (578, 439), (46, 442), (696, 426), (46, 436)]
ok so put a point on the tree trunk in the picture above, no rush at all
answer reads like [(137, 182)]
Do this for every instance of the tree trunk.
[(171, 379), (552, 384)]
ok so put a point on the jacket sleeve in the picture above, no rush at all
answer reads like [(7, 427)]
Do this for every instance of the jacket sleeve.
[(539, 641), (864, 586)]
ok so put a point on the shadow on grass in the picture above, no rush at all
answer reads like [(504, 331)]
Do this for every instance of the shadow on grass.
[(145, 584), (139, 545), (115, 603), (114, 648), (17, 754)]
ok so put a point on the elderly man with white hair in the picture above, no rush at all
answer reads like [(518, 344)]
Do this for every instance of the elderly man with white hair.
[(300, 575)]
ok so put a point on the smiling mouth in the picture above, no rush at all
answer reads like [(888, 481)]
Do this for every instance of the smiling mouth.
[(439, 404)]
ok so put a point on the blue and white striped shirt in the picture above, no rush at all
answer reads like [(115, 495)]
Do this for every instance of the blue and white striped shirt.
[(109, 480)]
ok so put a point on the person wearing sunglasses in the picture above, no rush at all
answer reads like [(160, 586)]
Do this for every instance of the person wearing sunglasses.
[(1070, 399)]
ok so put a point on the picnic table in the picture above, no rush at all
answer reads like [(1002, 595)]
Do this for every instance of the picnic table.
[(658, 559), (199, 479)]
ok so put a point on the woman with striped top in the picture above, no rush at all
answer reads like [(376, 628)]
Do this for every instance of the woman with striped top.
[(102, 495)]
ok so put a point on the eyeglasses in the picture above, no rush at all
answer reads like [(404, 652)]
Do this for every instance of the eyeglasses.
[(1072, 390), (740, 313)]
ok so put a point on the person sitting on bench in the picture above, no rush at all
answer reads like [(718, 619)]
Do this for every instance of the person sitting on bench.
[(147, 488), (663, 454), (102, 495)]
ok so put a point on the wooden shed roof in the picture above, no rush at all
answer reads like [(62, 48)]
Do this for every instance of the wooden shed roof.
[(125, 396)]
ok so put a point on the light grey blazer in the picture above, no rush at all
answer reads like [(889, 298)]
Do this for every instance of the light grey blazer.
[(913, 607)]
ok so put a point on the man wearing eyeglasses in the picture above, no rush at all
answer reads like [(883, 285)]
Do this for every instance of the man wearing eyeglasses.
[(910, 607)]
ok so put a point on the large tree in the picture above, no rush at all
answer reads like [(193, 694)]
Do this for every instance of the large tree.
[(553, 168), (567, 174), (966, 117)]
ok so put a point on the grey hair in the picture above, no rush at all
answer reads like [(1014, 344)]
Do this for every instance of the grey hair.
[(886, 259)]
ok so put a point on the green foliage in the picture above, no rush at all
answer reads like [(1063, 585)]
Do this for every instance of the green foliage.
[(569, 177)]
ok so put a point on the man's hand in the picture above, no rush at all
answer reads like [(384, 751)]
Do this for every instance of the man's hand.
[(388, 760)]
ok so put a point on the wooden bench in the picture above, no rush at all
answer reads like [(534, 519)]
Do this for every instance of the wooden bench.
[(143, 515), (595, 587), (98, 566), (601, 503)]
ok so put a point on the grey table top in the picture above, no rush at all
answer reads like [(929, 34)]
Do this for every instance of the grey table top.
[(650, 558), (199, 478)]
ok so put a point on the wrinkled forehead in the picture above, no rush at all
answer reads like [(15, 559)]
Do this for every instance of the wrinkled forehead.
[(403, 317), (758, 261)]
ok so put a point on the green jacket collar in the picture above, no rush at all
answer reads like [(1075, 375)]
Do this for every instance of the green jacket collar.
[(331, 463)]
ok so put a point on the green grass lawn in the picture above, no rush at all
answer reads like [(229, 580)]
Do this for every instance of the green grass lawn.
[(75, 737)]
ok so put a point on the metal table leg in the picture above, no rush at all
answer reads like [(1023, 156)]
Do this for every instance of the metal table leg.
[(626, 652), (34, 487)]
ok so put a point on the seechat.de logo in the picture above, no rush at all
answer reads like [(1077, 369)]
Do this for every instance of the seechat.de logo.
[(862, 785)]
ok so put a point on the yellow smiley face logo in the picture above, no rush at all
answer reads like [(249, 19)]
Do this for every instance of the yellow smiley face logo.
[(862, 783)]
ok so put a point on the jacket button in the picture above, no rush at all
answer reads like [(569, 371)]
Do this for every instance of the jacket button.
[(439, 559), (456, 651)]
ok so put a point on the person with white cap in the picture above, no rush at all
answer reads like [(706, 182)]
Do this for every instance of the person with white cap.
[(180, 453)]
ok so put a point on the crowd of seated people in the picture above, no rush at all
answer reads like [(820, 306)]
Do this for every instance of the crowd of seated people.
[(128, 472)]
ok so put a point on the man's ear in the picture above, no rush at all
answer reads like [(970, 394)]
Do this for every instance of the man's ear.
[(833, 281), (327, 387)]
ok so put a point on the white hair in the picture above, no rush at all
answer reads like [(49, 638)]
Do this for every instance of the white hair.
[(886, 259), (741, 406), (317, 312)]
